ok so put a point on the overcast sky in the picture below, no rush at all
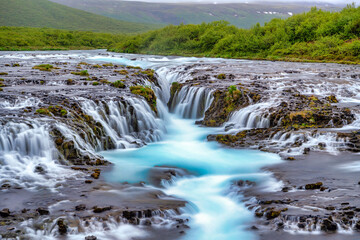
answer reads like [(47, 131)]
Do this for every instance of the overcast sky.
[(249, 1)]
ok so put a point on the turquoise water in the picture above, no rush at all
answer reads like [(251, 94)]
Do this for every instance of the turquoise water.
[(215, 211)]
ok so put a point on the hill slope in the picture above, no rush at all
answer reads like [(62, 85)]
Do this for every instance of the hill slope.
[(239, 14), (43, 13)]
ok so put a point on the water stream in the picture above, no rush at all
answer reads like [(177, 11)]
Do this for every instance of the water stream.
[(214, 208)]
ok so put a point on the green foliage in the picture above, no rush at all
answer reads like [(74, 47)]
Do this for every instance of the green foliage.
[(118, 84), (147, 93), (22, 38), (232, 89), (221, 76), (63, 112), (43, 111), (81, 73), (95, 83), (175, 86), (44, 13), (4, 73), (316, 35), (44, 67)]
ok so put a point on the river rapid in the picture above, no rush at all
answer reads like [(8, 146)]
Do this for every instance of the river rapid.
[(106, 123)]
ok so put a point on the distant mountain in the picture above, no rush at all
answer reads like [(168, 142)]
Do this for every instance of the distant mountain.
[(239, 14), (43, 13)]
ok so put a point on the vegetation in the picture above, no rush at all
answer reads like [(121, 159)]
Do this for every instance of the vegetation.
[(44, 67), (147, 93), (175, 86), (22, 38), (81, 73), (118, 84), (44, 13), (314, 36)]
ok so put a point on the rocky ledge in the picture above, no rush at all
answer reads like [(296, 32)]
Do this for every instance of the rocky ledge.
[(75, 109), (308, 114)]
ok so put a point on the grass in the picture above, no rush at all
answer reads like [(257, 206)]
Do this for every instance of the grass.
[(44, 67), (81, 73), (44, 13)]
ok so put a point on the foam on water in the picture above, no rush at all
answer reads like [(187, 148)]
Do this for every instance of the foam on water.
[(215, 212)]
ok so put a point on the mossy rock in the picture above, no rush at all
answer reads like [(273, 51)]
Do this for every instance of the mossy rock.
[(44, 67), (147, 93)]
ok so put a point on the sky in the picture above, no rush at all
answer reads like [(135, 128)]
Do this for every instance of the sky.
[(249, 1)]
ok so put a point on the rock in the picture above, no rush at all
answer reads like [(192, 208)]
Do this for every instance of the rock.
[(100, 210), (80, 207), (301, 225), (312, 186), (147, 222), (328, 225), (272, 214), (43, 211), (306, 150), (90, 238), (6, 186), (62, 226), (285, 189), (96, 174), (39, 169), (129, 214), (357, 225), (254, 228), (88, 181), (5, 212)]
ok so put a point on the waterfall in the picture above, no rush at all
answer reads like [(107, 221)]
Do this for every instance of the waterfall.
[(252, 116), (191, 102), (28, 156)]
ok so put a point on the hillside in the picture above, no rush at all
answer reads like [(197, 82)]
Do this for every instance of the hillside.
[(314, 36), (43, 13), (239, 14)]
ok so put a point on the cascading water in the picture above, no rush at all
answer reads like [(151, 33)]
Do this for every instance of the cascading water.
[(191, 102), (27, 156), (252, 116)]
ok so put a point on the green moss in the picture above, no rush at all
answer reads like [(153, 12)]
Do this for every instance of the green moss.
[(44, 67), (132, 67), (16, 65), (1, 80), (97, 66), (122, 72), (63, 112), (81, 73), (175, 86), (150, 74), (221, 76), (108, 65), (43, 111), (42, 82), (4, 73), (147, 93), (1, 89), (118, 84), (95, 83)]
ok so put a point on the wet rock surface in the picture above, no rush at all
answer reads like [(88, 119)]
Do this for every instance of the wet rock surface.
[(72, 105), (302, 112)]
